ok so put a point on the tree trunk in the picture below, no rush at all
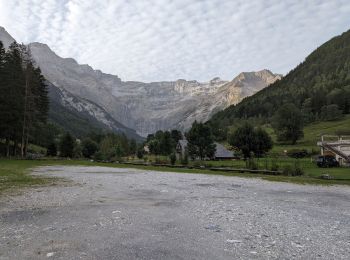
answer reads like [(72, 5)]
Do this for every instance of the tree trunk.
[(24, 119), (15, 145), (26, 144), (7, 147)]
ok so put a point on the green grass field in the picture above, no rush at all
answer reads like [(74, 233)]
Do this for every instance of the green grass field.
[(313, 133)]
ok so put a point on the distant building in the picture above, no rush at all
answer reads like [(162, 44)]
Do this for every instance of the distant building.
[(337, 146), (146, 149), (221, 153)]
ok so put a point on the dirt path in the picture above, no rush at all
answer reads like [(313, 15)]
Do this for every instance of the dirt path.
[(110, 213)]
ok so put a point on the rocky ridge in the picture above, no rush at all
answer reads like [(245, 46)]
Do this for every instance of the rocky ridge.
[(147, 107)]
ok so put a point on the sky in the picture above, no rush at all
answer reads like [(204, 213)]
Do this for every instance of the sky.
[(158, 40)]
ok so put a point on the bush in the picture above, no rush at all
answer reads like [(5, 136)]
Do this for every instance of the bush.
[(293, 170), (297, 170), (274, 165), (160, 161), (77, 151), (67, 145), (287, 170), (139, 153), (197, 164), (51, 149), (252, 164), (89, 148), (297, 153), (184, 159), (172, 158), (98, 156)]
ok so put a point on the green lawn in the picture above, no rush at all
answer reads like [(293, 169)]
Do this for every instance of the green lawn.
[(310, 168), (313, 133)]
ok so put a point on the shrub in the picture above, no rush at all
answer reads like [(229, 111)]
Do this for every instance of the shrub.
[(293, 170), (67, 145), (297, 170), (89, 148), (197, 164), (184, 159), (160, 161), (297, 153), (274, 165), (287, 170), (252, 164), (315, 151), (172, 158), (139, 153), (52, 149), (99, 156), (77, 151)]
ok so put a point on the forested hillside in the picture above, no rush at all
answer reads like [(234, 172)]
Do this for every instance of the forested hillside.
[(319, 87)]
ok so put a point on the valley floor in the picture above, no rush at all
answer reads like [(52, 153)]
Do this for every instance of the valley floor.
[(121, 213)]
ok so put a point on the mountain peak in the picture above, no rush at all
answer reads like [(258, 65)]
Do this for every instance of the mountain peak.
[(215, 80), (39, 44), (5, 37)]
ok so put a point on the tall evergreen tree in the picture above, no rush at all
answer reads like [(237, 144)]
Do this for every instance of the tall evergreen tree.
[(24, 97), (67, 145), (2, 90), (12, 109)]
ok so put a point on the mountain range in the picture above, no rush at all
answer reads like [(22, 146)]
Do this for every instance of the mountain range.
[(319, 86), (93, 99)]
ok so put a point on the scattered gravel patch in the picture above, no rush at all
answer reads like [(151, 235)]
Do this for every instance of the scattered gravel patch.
[(113, 213)]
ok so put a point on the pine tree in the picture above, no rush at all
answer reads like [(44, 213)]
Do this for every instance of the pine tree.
[(24, 97), (12, 108), (2, 91), (67, 146)]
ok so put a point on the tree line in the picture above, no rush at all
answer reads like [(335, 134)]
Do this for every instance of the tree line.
[(24, 101), (249, 140), (96, 146)]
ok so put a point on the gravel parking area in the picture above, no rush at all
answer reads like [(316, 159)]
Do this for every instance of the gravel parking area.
[(113, 213)]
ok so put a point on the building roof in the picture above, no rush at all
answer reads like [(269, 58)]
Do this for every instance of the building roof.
[(183, 143), (221, 151)]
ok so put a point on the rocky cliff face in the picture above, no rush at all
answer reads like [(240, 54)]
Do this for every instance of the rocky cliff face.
[(73, 112), (5, 37), (148, 107)]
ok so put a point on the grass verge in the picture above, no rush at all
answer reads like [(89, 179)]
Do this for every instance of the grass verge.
[(15, 173)]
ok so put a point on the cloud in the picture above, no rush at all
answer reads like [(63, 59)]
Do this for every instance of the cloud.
[(170, 39)]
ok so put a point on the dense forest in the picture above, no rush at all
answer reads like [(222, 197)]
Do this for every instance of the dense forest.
[(319, 87), (24, 100)]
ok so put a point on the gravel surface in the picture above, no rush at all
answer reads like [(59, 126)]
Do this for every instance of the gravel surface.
[(111, 213)]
